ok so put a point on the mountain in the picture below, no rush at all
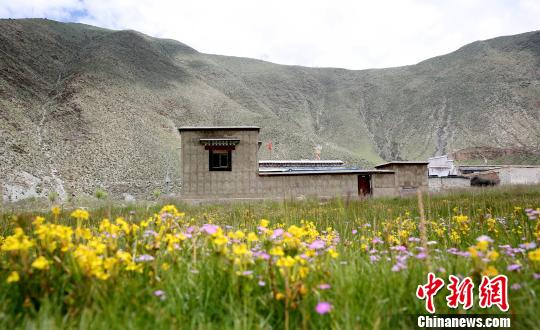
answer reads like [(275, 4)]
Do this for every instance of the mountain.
[(83, 107)]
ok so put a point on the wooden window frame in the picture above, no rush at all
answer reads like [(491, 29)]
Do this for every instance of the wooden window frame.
[(212, 151)]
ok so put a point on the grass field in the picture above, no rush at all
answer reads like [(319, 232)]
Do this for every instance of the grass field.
[(295, 264)]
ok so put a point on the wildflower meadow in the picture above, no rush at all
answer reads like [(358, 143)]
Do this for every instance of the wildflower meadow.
[(310, 264)]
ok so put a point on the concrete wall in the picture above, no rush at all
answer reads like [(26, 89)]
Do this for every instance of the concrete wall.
[(448, 183), (320, 185), (199, 182), (383, 184), (411, 176), (408, 177), (519, 175)]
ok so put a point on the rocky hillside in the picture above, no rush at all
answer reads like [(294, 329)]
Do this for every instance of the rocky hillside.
[(83, 107)]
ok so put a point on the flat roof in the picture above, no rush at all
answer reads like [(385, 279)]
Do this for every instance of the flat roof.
[(402, 162), (218, 128), (302, 161), (315, 172), (495, 166)]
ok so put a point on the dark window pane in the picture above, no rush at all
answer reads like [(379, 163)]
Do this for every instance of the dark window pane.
[(220, 160)]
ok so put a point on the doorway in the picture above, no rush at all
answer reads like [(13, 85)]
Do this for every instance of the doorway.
[(364, 185)]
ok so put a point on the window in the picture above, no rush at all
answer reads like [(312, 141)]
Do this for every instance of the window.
[(220, 160)]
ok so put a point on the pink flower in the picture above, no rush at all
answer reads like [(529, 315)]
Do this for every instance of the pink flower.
[(528, 246), (484, 238), (513, 267), (354, 231), (144, 258), (515, 286), (317, 244), (324, 286), (277, 233), (323, 307), (532, 214), (377, 240), (160, 294), (209, 229)]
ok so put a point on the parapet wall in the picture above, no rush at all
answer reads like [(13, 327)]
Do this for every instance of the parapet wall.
[(320, 185), (438, 184)]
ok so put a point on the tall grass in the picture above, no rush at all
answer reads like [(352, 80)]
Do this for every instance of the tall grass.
[(364, 294)]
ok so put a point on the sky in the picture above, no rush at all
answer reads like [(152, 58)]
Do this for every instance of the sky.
[(340, 33)]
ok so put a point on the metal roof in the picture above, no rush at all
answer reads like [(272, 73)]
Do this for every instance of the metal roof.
[(218, 128), (402, 162), (301, 163), (494, 166), (320, 172)]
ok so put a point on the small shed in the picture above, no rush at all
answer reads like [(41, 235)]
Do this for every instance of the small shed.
[(409, 175)]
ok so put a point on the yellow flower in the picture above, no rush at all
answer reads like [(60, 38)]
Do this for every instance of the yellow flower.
[(240, 249), (135, 267), (169, 209), (490, 271), (491, 225), (392, 239), (83, 233), (80, 214), (296, 231), (482, 245), (13, 277), (404, 234), (303, 271), (277, 251), (41, 263), (238, 235), (17, 242), (264, 223), (109, 263), (493, 255), (454, 237), (333, 253), (473, 252), (55, 210), (279, 296), (534, 255), (286, 262), (220, 240), (165, 266), (310, 253), (38, 221), (252, 237)]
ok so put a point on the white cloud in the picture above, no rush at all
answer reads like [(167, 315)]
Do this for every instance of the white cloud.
[(346, 33)]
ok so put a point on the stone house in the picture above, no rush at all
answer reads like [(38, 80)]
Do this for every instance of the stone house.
[(222, 163)]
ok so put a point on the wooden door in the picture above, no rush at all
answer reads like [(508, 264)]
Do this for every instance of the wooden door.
[(364, 185)]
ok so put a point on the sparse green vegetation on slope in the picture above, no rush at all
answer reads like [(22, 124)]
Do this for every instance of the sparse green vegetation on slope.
[(84, 107)]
